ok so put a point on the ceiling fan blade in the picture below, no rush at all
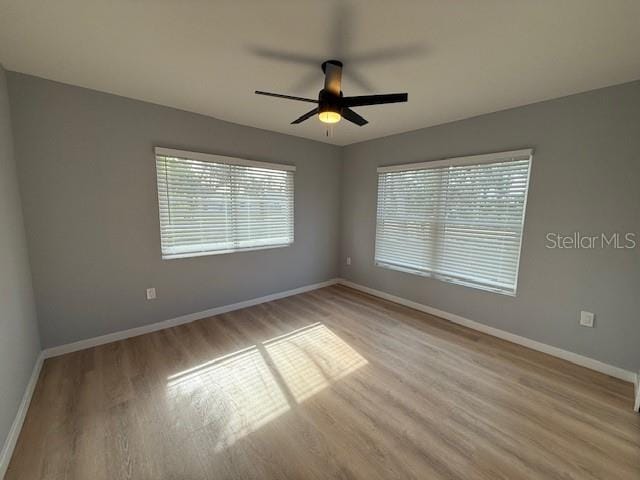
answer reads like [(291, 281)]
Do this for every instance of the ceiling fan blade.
[(288, 97), (284, 56), (353, 117), (312, 80), (342, 27), (306, 116), (359, 79), (388, 54), (363, 100)]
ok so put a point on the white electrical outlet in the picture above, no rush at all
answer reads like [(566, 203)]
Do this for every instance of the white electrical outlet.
[(586, 319), (348, 260), (151, 293)]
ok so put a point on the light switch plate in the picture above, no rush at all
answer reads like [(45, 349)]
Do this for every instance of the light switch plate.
[(587, 319), (151, 293)]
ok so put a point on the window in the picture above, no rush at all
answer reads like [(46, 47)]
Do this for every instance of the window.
[(213, 204), (459, 220)]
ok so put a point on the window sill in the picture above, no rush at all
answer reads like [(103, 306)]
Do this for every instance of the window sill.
[(222, 252), (447, 279)]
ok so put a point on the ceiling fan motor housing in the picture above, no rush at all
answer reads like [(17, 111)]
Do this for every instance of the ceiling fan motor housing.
[(332, 105), (329, 102)]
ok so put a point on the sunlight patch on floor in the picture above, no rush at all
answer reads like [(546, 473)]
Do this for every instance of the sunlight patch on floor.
[(238, 393), (241, 393), (309, 361)]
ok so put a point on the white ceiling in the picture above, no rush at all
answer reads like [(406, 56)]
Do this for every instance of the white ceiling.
[(456, 58)]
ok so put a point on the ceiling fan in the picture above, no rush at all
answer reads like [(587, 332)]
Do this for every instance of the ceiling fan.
[(332, 105)]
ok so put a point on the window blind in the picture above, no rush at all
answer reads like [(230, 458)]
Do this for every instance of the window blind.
[(459, 220), (214, 204)]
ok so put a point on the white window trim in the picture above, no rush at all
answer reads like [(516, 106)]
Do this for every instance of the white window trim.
[(459, 161), (209, 157), (206, 253)]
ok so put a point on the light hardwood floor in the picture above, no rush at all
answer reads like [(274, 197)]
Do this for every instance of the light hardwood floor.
[(328, 384)]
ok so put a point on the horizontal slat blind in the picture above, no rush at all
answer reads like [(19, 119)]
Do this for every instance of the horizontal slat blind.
[(459, 221), (209, 207)]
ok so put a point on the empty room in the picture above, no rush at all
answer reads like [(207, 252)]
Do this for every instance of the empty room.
[(348, 239)]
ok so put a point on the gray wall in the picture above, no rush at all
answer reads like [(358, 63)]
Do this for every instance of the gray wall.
[(585, 177), (19, 344), (87, 176)]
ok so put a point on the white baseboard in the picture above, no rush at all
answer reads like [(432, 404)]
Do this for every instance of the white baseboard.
[(14, 432), (511, 337), (16, 426), (172, 322)]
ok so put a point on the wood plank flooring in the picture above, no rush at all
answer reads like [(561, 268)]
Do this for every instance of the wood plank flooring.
[(328, 384)]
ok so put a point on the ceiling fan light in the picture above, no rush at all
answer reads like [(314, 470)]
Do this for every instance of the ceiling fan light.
[(329, 117)]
